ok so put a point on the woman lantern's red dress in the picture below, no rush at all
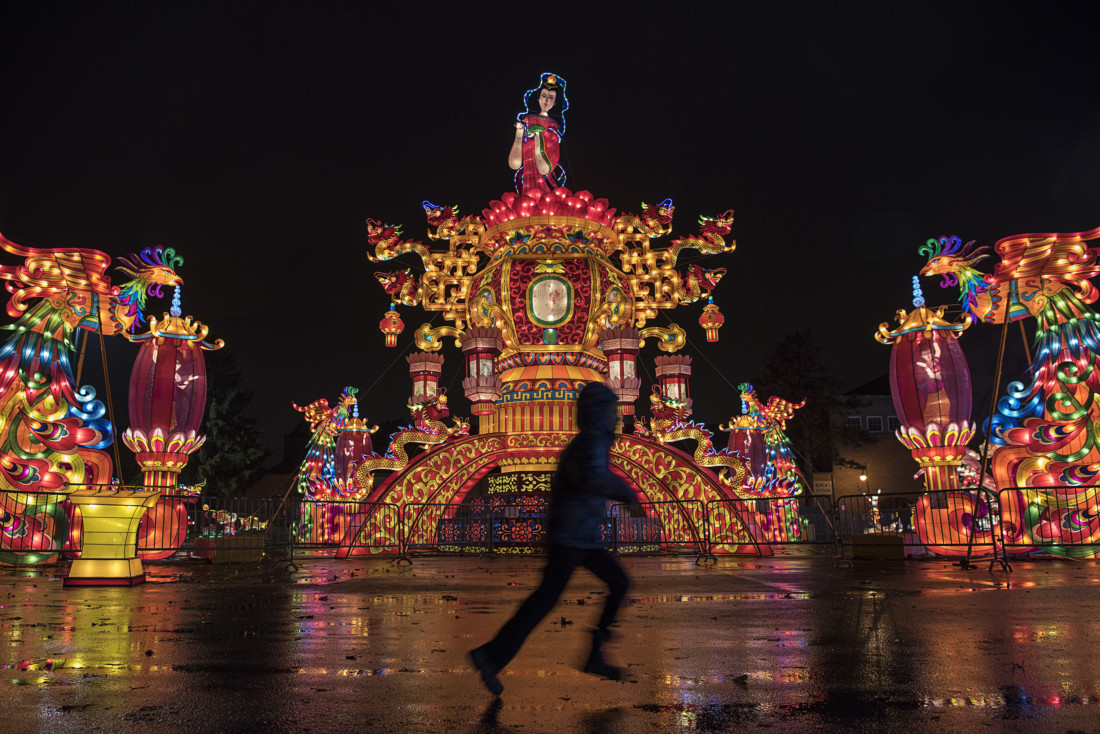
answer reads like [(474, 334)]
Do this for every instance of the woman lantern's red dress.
[(540, 140)]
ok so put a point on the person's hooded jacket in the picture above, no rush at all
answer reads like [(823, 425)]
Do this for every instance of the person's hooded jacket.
[(584, 481)]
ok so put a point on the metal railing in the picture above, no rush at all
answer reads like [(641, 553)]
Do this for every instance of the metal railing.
[(962, 523), (34, 527), (952, 523), (1061, 520), (214, 528), (349, 527)]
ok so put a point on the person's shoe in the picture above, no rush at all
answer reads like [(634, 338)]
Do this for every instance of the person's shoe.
[(488, 671), (596, 665)]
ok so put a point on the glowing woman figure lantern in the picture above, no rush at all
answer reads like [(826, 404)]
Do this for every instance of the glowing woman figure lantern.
[(539, 129), (167, 398), (930, 385)]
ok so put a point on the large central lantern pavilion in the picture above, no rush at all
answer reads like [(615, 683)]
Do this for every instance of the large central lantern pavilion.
[(543, 292)]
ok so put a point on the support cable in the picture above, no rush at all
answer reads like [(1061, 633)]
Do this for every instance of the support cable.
[(110, 404)]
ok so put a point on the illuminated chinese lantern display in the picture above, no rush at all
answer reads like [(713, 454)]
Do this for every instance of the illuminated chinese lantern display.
[(545, 290), (1042, 448), (55, 433), (930, 386)]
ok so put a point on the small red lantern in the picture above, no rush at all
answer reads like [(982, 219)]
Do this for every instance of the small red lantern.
[(391, 326), (711, 320)]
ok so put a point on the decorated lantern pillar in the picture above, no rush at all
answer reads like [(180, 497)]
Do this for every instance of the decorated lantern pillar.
[(424, 369), (674, 371), (353, 442), (167, 396), (930, 385), (167, 399), (621, 346), (481, 345)]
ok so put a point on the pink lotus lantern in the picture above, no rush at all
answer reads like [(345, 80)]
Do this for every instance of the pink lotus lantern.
[(352, 444), (167, 398), (930, 385)]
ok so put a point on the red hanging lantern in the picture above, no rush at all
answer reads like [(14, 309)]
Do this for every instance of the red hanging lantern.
[(711, 320), (391, 326)]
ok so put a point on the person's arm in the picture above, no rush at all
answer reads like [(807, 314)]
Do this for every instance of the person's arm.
[(601, 480), (515, 156)]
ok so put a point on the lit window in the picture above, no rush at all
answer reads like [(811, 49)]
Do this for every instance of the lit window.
[(853, 422), (874, 424)]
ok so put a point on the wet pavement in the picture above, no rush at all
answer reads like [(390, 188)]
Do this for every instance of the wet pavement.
[(787, 643)]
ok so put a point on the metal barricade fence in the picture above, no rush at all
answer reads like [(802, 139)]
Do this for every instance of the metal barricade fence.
[(633, 531), (665, 527), (35, 527), (445, 528), (954, 523), (348, 526), (1061, 520), (442, 528), (170, 526), (218, 529), (737, 526), (818, 519)]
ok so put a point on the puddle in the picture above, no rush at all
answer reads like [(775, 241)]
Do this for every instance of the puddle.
[(688, 598)]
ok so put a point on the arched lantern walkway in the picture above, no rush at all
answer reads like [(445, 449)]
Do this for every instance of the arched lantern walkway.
[(678, 489)]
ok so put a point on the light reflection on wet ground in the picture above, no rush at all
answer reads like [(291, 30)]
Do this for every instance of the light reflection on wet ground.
[(790, 643)]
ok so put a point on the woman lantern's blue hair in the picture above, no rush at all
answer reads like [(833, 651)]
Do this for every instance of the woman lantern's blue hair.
[(555, 83)]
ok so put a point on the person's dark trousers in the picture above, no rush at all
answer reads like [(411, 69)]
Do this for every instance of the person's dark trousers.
[(560, 565)]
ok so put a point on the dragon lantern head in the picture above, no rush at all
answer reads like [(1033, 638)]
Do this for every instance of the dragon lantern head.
[(393, 282), (708, 279), (720, 225), (378, 231), (438, 214), (660, 214), (949, 257)]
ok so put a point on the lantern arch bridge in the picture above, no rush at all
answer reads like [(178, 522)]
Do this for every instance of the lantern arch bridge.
[(672, 487)]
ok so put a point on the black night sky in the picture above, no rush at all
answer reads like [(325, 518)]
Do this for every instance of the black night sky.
[(255, 138)]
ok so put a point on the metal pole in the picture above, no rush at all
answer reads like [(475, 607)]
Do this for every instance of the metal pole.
[(965, 563)]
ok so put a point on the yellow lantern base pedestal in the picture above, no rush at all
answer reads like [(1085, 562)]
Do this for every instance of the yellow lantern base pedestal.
[(109, 553)]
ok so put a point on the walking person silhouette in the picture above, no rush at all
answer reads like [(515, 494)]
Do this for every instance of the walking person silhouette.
[(578, 493)]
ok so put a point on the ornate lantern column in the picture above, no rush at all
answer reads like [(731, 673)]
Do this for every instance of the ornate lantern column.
[(674, 371), (167, 396), (621, 346), (930, 385), (481, 345), (352, 443), (424, 369)]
